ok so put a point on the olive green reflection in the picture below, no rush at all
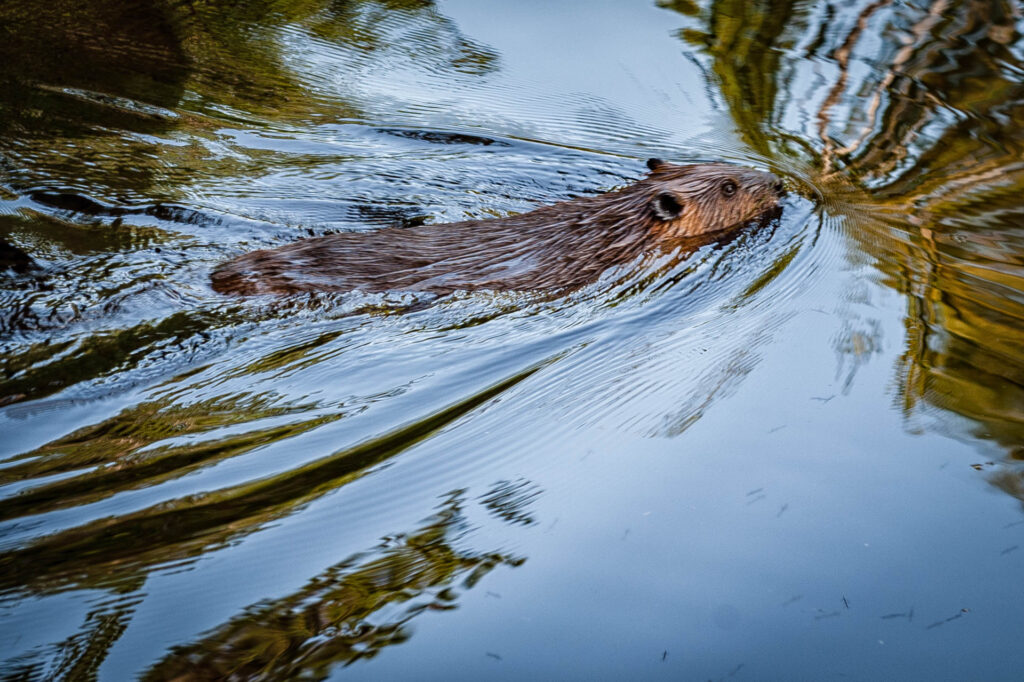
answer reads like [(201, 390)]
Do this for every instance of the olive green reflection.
[(110, 551), (925, 153), (119, 56), (746, 43), (112, 109), (86, 84), (950, 191), (351, 611), (118, 454), (80, 656)]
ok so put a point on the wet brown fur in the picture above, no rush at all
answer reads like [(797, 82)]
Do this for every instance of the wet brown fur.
[(564, 245)]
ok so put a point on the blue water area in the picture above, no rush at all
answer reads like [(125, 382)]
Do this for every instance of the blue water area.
[(793, 452)]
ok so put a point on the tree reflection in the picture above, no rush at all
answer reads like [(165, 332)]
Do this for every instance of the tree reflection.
[(348, 612), (107, 552), (746, 43), (351, 611), (80, 656), (921, 127), (407, 29), (83, 85), (941, 145)]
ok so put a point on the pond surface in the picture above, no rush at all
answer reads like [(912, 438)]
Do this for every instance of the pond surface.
[(796, 454)]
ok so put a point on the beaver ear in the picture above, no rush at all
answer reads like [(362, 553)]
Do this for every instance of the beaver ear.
[(654, 164), (666, 206)]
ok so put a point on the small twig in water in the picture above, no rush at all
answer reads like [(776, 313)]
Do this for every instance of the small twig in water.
[(951, 618)]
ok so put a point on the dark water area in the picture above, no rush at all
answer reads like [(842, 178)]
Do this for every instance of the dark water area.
[(794, 454)]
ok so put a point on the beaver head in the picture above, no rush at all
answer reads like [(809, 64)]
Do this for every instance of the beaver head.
[(685, 201)]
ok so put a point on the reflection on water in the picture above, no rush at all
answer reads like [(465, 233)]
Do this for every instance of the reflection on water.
[(349, 612), (930, 135), (165, 446), (941, 148), (108, 549)]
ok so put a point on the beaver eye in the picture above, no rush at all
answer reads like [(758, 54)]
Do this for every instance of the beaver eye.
[(728, 188)]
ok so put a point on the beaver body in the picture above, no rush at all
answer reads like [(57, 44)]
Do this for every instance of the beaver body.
[(561, 246)]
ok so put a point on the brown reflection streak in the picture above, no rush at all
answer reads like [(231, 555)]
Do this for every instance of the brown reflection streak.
[(952, 242), (81, 655), (930, 183), (918, 33), (351, 611), (108, 551), (842, 58), (744, 40), (114, 451), (924, 65)]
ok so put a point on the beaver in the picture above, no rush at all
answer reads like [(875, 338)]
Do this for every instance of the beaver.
[(562, 246)]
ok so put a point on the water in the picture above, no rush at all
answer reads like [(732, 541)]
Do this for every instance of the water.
[(795, 455)]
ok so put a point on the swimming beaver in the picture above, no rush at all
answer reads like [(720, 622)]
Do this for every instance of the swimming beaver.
[(563, 246)]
